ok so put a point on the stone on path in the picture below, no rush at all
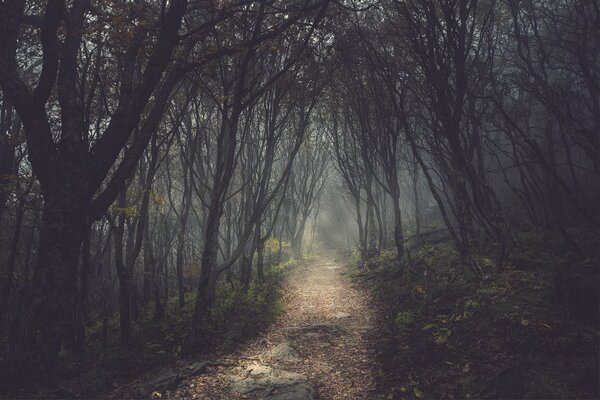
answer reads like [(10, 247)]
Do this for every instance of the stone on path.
[(166, 379), (259, 371), (263, 382), (284, 353)]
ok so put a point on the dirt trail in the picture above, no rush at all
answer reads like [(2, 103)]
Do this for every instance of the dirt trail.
[(321, 344)]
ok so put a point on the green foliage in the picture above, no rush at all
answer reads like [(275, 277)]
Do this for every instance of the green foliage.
[(404, 321), (128, 212), (454, 334), (488, 291), (471, 305), (272, 245), (387, 257), (245, 312), (169, 334), (441, 335), (271, 250), (278, 270), (234, 316), (355, 258)]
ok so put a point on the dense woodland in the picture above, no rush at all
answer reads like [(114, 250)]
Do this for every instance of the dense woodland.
[(156, 155)]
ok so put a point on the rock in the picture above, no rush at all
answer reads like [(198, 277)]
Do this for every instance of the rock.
[(273, 384), (166, 379), (341, 315), (284, 353), (259, 371), (197, 368)]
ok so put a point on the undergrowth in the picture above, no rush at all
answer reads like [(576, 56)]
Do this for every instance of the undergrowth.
[(449, 335), (235, 317)]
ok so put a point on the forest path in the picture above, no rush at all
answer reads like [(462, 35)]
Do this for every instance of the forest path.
[(320, 344)]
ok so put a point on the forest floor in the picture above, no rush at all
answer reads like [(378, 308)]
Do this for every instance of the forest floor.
[(320, 347), (528, 331), (382, 330)]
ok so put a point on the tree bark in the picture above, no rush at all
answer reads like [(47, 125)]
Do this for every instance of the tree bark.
[(61, 233)]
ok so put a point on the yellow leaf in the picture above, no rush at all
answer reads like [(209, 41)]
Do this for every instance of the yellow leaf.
[(156, 395), (441, 335), (524, 322), (440, 339), (418, 393)]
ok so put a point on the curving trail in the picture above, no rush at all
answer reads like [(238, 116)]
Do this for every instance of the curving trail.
[(319, 348)]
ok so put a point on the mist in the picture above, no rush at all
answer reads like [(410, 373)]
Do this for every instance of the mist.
[(195, 190)]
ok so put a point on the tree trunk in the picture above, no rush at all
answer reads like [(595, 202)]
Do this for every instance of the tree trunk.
[(415, 186), (54, 280), (7, 283), (84, 279), (398, 235), (260, 260), (246, 271), (298, 239), (208, 272), (371, 237), (186, 205), (124, 278), (179, 268), (125, 309)]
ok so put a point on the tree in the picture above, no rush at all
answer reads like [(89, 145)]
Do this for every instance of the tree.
[(71, 162)]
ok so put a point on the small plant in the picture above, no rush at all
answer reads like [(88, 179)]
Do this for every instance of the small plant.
[(441, 336), (471, 305), (404, 321), (489, 291)]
